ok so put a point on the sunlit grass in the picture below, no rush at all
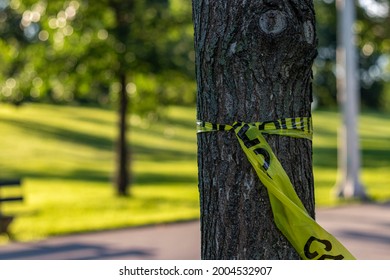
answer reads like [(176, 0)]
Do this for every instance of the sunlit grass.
[(77, 206), (65, 157), (374, 133), (64, 154)]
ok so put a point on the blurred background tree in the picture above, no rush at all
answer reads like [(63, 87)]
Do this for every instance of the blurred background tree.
[(68, 51), (373, 40), (77, 52), (98, 52)]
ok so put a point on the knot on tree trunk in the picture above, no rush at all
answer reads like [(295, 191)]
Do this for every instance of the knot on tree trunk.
[(273, 22)]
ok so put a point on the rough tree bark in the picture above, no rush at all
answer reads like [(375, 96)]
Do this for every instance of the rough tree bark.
[(253, 63)]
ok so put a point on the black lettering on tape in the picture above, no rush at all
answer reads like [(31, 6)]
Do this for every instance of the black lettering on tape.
[(247, 142), (263, 124), (328, 246), (265, 154)]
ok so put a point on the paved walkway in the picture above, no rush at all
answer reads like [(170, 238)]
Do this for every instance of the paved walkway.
[(363, 229)]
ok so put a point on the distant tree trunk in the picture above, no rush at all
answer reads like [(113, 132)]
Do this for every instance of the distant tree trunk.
[(348, 184), (253, 63), (122, 176), (123, 11)]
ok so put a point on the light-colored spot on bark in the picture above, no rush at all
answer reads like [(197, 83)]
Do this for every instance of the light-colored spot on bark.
[(308, 30), (273, 22), (232, 49)]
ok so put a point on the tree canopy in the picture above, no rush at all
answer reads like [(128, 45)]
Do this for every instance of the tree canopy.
[(68, 51)]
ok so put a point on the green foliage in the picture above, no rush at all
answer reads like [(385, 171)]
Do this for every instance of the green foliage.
[(63, 154), (324, 66), (373, 43), (70, 51)]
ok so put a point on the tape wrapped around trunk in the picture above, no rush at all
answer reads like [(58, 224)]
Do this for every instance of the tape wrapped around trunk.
[(309, 239)]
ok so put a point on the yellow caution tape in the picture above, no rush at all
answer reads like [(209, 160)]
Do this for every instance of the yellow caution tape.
[(309, 239), (294, 127)]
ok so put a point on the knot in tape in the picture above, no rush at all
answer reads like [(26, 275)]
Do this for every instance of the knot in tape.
[(248, 134), (308, 238)]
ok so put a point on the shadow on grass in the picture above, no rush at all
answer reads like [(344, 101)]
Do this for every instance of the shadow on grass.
[(325, 157), (159, 154), (88, 175), (46, 131), (177, 137), (177, 122), (376, 157), (371, 158), (321, 131), (148, 178), (78, 175)]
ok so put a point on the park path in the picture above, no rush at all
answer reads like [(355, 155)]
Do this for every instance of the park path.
[(364, 229)]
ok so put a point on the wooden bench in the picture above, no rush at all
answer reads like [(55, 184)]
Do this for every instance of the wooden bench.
[(5, 220)]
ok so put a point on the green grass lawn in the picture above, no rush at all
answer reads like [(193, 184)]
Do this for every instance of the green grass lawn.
[(374, 132), (65, 156)]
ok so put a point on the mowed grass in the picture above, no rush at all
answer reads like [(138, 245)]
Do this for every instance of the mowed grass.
[(64, 154), (374, 133), (65, 157)]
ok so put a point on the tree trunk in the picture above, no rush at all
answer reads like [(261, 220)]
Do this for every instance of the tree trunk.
[(122, 176), (123, 13), (253, 63), (348, 183)]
